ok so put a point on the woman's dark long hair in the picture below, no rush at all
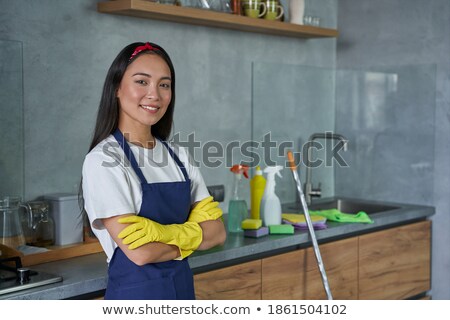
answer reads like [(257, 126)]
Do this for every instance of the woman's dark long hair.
[(109, 108)]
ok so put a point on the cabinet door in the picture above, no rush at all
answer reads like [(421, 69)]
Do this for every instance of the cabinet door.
[(283, 276), (340, 259), (242, 281), (395, 263), (295, 275)]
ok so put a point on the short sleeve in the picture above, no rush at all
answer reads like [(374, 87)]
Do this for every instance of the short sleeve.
[(106, 188)]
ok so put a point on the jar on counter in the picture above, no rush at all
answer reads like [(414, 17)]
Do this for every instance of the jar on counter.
[(42, 227)]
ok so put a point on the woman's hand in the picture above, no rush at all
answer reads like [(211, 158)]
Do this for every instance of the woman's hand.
[(186, 236), (205, 210), (149, 253), (209, 216)]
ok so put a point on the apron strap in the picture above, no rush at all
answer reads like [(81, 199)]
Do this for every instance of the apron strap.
[(129, 154), (177, 160)]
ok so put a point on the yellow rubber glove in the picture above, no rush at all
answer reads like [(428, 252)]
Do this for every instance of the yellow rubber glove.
[(187, 236), (205, 210)]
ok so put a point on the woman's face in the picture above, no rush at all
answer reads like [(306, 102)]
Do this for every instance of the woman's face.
[(144, 93)]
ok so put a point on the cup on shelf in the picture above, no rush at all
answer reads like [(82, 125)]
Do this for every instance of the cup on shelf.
[(254, 8), (274, 10), (172, 2), (220, 5), (311, 21)]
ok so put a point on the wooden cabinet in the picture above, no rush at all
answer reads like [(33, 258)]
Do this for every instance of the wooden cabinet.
[(295, 275), (239, 282), (395, 263), (209, 18), (340, 259), (389, 264), (284, 276)]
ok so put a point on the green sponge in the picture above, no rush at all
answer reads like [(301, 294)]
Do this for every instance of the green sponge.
[(281, 229)]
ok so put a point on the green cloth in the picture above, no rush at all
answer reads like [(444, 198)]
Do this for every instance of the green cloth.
[(338, 216)]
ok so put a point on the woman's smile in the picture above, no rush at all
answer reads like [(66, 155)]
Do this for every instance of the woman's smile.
[(151, 109)]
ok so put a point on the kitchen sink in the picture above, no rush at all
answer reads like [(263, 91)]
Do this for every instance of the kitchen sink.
[(347, 206)]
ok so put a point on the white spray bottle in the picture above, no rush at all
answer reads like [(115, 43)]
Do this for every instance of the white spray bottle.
[(270, 203)]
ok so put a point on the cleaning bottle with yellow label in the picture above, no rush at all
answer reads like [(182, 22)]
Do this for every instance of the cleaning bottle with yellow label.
[(257, 185)]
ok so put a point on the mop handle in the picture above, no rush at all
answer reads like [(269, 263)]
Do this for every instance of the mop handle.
[(310, 226)]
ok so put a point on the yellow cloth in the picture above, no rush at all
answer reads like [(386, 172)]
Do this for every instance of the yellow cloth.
[(300, 218)]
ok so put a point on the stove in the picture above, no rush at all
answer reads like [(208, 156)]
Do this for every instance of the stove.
[(13, 277)]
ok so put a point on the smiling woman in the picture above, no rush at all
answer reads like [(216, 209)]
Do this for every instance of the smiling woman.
[(151, 209)]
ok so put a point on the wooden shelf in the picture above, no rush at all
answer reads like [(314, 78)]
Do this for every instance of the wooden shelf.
[(151, 10), (61, 253), (55, 253)]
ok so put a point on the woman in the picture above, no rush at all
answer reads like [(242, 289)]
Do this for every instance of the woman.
[(138, 192)]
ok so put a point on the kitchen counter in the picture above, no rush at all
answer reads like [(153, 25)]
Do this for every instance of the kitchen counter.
[(87, 276)]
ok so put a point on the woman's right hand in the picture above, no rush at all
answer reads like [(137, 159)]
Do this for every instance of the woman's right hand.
[(205, 210)]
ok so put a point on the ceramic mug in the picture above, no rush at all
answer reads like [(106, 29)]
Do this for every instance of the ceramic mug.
[(274, 10), (252, 8)]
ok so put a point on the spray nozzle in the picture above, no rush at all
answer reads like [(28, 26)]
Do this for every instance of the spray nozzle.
[(271, 171), (240, 169)]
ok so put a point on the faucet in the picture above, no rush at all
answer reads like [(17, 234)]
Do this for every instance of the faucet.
[(310, 191)]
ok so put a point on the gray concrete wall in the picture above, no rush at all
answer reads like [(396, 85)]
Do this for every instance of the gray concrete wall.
[(408, 33), (68, 47)]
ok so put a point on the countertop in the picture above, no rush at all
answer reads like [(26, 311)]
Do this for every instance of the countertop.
[(87, 275)]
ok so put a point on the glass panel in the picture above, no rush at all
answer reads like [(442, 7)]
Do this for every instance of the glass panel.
[(291, 102), (11, 119), (388, 116)]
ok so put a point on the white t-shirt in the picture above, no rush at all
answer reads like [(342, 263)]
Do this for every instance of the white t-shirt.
[(111, 187)]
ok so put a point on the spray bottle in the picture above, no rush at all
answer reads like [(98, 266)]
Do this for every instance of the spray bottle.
[(257, 186), (237, 207), (270, 203)]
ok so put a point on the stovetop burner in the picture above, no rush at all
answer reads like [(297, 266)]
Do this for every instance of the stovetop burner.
[(15, 278)]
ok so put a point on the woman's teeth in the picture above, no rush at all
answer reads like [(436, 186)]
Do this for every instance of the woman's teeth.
[(149, 108)]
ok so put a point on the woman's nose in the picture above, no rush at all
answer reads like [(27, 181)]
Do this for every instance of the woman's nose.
[(152, 92)]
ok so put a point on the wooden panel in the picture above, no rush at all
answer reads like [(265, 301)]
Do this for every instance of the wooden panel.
[(240, 282), (295, 275), (149, 10), (62, 252), (54, 254), (340, 259), (395, 263), (283, 276)]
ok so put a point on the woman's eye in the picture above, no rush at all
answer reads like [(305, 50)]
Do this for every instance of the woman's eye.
[(143, 82), (165, 85)]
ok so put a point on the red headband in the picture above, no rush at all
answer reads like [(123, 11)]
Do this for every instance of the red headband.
[(145, 47)]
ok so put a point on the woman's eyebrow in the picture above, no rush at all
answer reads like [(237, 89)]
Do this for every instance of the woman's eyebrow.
[(149, 76), (142, 74)]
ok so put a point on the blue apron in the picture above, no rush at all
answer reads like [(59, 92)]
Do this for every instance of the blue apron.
[(165, 203)]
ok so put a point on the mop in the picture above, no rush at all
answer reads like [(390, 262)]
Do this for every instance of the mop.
[(291, 161)]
